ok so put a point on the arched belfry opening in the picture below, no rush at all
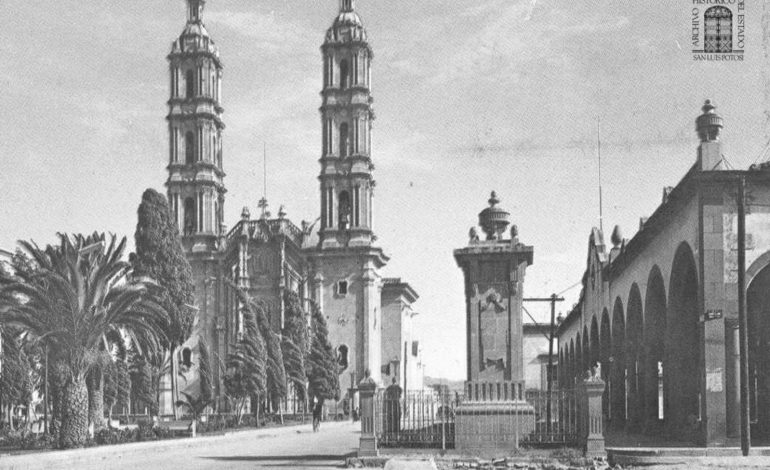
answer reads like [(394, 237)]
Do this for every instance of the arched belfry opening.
[(190, 216), (189, 148), (718, 30), (344, 139), (682, 358), (344, 210), (344, 74), (190, 84), (758, 308)]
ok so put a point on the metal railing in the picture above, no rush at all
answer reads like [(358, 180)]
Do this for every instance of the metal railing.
[(427, 419)]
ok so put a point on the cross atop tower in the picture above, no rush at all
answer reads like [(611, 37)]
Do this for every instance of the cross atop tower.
[(346, 5), (195, 9)]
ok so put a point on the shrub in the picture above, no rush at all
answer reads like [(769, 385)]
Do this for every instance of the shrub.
[(146, 432), (163, 432)]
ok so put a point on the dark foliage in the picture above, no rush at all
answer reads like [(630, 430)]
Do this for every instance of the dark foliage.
[(295, 345), (322, 368)]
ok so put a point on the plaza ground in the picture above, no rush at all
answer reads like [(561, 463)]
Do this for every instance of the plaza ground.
[(276, 448)]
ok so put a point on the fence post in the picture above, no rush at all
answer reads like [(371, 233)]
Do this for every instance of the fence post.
[(591, 430), (367, 445)]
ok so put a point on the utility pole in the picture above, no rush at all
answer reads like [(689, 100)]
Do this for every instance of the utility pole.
[(549, 372), (743, 326)]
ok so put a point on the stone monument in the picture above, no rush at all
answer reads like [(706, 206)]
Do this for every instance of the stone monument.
[(494, 413)]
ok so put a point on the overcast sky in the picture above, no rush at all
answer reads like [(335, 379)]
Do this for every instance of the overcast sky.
[(470, 97)]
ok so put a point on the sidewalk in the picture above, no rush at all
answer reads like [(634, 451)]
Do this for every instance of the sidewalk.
[(76, 458)]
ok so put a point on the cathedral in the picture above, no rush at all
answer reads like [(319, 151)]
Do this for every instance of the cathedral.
[(333, 262)]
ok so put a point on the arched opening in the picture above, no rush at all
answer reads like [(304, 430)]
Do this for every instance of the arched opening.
[(190, 216), (570, 379), (682, 357), (344, 139), (189, 148), (587, 356), (344, 74), (718, 30), (342, 357), (634, 357), (187, 357), (595, 347), (619, 370), (650, 389), (758, 308), (190, 83), (578, 373), (343, 210), (605, 358)]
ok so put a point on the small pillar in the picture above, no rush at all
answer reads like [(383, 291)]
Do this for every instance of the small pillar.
[(591, 431), (367, 445)]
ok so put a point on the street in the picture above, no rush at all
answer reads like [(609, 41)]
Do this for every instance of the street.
[(275, 448)]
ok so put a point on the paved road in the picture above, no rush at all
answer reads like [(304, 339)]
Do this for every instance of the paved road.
[(278, 448)]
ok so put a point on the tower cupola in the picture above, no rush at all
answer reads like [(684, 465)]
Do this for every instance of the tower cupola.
[(708, 124)]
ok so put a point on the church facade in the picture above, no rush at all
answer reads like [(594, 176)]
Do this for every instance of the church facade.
[(334, 262)]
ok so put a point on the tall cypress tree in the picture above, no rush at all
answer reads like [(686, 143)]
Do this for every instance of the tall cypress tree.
[(295, 345), (276, 372), (322, 368), (160, 256)]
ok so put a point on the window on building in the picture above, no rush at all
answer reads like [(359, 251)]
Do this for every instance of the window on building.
[(344, 74), (342, 356), (189, 148), (190, 216), (342, 288), (415, 348), (187, 357), (718, 30), (190, 83), (344, 211), (385, 370), (344, 140)]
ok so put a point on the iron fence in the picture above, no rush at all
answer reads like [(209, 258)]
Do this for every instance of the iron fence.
[(429, 419)]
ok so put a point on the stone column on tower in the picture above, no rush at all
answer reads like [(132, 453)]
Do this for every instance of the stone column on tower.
[(494, 271)]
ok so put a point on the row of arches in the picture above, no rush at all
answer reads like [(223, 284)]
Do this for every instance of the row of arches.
[(197, 81), (649, 353), (206, 146), (651, 349)]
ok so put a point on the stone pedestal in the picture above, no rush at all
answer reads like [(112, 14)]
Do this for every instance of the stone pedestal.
[(367, 445), (591, 431)]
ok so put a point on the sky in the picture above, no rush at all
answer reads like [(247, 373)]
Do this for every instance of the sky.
[(470, 97)]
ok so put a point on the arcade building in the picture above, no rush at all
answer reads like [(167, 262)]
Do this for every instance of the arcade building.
[(334, 262), (659, 312)]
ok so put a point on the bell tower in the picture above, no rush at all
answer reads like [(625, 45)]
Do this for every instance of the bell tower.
[(346, 181), (196, 191), (345, 266)]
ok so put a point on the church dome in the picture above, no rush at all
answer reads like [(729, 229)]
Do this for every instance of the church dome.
[(347, 26), (195, 37)]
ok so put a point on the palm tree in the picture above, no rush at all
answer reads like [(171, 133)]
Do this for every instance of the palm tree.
[(79, 295)]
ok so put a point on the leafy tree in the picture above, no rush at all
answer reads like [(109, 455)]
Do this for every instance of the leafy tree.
[(195, 405), (16, 375), (246, 365), (144, 390), (295, 344), (322, 368), (160, 256), (72, 301)]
